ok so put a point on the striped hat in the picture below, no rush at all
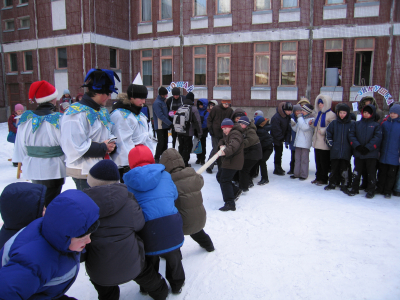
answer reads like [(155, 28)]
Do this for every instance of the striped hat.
[(244, 120), (308, 108), (227, 123)]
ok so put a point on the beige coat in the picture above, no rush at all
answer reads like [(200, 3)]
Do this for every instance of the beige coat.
[(318, 141)]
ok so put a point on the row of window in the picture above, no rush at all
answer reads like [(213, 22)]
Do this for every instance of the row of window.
[(221, 7), (9, 3), (23, 23)]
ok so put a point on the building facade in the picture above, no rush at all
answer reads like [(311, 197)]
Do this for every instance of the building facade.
[(255, 52)]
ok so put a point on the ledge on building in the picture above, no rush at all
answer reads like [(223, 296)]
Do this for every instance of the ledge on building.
[(289, 15), (165, 25), (287, 93), (12, 73), (366, 9), (220, 92), (335, 92), (223, 20), (260, 93), (335, 12), (262, 17), (200, 92), (7, 7), (8, 30), (27, 72), (199, 22), (145, 27), (22, 4), (23, 28)]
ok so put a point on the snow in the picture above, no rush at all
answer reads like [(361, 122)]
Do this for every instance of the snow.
[(287, 240)]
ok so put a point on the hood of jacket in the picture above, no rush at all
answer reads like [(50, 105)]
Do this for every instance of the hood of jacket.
[(144, 178), (373, 117), (237, 110), (280, 111), (214, 101), (346, 108), (237, 127), (327, 103), (204, 109), (361, 104), (172, 161)]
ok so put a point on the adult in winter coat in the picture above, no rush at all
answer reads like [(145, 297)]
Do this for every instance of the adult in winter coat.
[(190, 201), (116, 254), (41, 261), (173, 103), (162, 123), (281, 132), (365, 138), (202, 104), (162, 233), (321, 150), (267, 146), (371, 100), (20, 204), (214, 120)]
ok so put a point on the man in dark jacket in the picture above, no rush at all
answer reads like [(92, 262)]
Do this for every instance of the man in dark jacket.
[(202, 104), (116, 254), (267, 146), (214, 120), (173, 103), (162, 122), (281, 132)]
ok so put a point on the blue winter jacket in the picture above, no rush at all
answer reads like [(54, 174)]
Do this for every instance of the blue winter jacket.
[(36, 262), (367, 133), (337, 138), (160, 114), (390, 149), (203, 112), (156, 194), (20, 204)]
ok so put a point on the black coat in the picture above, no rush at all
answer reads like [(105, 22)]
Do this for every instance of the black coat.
[(281, 130), (217, 115), (337, 137), (251, 142), (116, 253), (266, 139)]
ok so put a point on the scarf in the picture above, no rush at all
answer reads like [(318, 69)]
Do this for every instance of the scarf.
[(322, 118)]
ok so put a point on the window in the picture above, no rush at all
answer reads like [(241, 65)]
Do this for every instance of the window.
[(8, 3), (333, 62), (288, 63), (13, 62), (364, 50), (200, 7), (28, 62), (223, 6), (200, 65), (223, 64), (262, 4), (24, 22), (289, 3), (62, 58), (261, 64), (147, 67), (113, 58), (166, 9), (334, 2), (367, 0), (166, 66), (9, 25), (146, 10), (23, 1)]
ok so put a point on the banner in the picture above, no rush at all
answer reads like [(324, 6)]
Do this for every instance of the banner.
[(181, 84), (376, 89)]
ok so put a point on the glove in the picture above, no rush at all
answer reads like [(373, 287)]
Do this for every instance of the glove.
[(211, 132), (363, 150), (292, 122), (286, 145)]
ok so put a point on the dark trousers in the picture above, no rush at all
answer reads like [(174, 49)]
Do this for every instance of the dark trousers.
[(278, 155), (122, 171), (53, 186), (214, 150), (174, 272), (162, 144), (202, 238), (202, 155), (339, 172), (228, 189), (386, 178), (322, 164), (185, 147), (359, 166), (263, 163), (292, 160), (174, 136), (244, 173), (81, 184)]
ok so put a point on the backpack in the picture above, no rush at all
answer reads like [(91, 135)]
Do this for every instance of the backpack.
[(182, 118)]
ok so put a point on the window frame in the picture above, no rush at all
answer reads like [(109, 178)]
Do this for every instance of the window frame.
[(150, 58), (57, 58), (10, 71), (194, 6), (5, 1), (366, 1), (330, 4), (24, 58), (172, 11), (331, 50), (254, 63), (172, 64), (194, 64), (5, 25), (363, 49), (281, 53), (224, 13), (141, 12), (289, 7), (20, 19), (255, 6), (116, 58), (216, 62)]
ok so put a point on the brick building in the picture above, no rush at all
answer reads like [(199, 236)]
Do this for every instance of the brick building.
[(255, 52)]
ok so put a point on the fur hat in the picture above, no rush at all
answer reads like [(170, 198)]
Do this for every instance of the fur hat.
[(395, 109), (244, 120), (162, 91), (287, 106), (303, 101), (140, 156), (103, 173), (42, 91), (136, 89), (101, 81), (368, 109), (308, 108), (19, 107), (176, 91), (190, 96), (258, 113), (227, 123)]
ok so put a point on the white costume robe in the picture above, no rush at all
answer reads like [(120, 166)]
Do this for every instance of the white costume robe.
[(130, 130)]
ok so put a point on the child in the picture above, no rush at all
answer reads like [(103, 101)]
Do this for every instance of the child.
[(365, 137), (41, 261), (390, 149), (203, 112), (116, 254), (190, 201), (337, 134), (302, 142), (162, 233), (266, 141), (65, 101), (232, 161), (20, 204), (293, 116), (12, 125)]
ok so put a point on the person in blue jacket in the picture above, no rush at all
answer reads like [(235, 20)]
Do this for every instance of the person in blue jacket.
[(41, 261), (162, 233), (390, 152), (202, 104), (162, 122), (20, 204)]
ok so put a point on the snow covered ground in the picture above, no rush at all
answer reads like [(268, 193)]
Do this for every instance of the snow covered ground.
[(286, 240)]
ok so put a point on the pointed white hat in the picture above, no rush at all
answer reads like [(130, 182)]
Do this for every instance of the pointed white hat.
[(138, 80)]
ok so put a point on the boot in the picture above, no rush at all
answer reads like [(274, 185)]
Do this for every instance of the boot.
[(229, 205), (202, 162), (370, 195), (352, 192), (329, 187), (263, 181), (279, 171), (209, 170), (197, 162)]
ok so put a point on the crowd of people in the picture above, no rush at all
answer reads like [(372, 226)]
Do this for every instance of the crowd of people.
[(136, 199)]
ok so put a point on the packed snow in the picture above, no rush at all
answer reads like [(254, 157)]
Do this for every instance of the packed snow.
[(288, 239)]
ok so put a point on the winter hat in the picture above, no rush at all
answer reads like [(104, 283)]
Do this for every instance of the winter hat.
[(176, 91), (215, 102), (19, 107), (101, 81), (162, 91), (190, 96), (244, 120), (42, 91), (258, 120), (140, 156), (308, 108), (288, 106), (136, 89), (296, 107), (258, 113), (66, 91), (342, 107), (103, 173), (303, 101), (91, 229), (227, 123), (395, 109), (320, 101), (225, 99), (239, 114), (368, 109)]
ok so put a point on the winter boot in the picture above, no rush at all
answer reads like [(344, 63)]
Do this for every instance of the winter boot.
[(197, 162), (209, 170), (352, 192), (329, 187), (202, 162), (229, 205), (370, 195), (279, 171), (388, 196), (263, 181)]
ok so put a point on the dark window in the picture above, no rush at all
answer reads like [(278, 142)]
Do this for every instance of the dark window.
[(113, 58), (8, 2), (28, 61), (23, 1), (62, 58), (13, 62)]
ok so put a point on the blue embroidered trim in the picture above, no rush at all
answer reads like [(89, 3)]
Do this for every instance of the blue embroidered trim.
[(125, 113), (91, 114), (53, 119)]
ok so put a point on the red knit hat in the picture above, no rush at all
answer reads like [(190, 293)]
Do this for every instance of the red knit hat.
[(42, 91), (140, 156)]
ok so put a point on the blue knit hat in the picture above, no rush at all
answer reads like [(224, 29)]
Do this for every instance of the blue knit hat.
[(258, 120), (227, 123), (395, 109), (103, 173), (244, 120)]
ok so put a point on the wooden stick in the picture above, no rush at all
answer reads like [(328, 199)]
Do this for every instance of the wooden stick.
[(19, 171), (210, 161)]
